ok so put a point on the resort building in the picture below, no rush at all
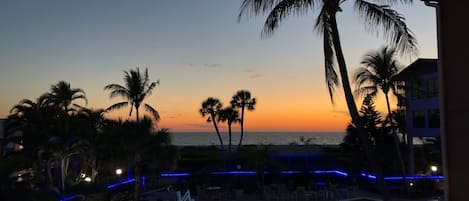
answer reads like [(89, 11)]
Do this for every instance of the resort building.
[(421, 102)]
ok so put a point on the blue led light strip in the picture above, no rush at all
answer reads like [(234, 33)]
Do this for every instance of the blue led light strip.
[(182, 174), (370, 176), (234, 172), (69, 198), (120, 183), (333, 172)]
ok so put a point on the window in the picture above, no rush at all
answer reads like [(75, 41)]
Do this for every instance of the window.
[(434, 118), (432, 88), (417, 90), (418, 119)]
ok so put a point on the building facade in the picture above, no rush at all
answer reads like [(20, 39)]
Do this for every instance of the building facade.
[(421, 101)]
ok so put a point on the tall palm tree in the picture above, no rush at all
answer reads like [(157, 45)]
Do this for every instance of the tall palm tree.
[(377, 17), (137, 88), (379, 72), (242, 99), (62, 96), (212, 106), (230, 116)]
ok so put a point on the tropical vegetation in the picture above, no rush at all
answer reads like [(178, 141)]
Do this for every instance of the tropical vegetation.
[(377, 17), (213, 108), (243, 101), (55, 145), (137, 87), (379, 71)]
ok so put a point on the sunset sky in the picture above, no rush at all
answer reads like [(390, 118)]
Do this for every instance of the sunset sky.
[(196, 48)]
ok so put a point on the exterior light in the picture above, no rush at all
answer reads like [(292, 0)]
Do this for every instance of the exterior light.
[(118, 171), (82, 175), (433, 168), (411, 184), (87, 179)]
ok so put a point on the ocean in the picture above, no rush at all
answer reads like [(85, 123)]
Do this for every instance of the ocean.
[(254, 138)]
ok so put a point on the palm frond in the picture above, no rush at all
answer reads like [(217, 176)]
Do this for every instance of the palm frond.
[(251, 104), (366, 91), (117, 106), (366, 75), (121, 93), (80, 96), (283, 9), (114, 87), (323, 26), (392, 2), (152, 111), (390, 23), (255, 7), (151, 87)]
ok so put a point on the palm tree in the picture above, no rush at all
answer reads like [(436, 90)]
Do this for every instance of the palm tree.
[(33, 119), (137, 88), (212, 106), (379, 72), (242, 99), (62, 96), (377, 17), (230, 116)]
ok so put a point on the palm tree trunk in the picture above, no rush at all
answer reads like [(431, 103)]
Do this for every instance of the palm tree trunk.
[(138, 179), (62, 175), (229, 145), (218, 132), (352, 108), (219, 139), (242, 129), (396, 140), (136, 112), (49, 173)]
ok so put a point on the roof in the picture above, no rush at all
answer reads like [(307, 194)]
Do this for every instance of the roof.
[(419, 67)]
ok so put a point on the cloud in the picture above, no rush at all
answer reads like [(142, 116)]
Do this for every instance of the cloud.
[(173, 116), (212, 65), (254, 76), (340, 113), (206, 65)]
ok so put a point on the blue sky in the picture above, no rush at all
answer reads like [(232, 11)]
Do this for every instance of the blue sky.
[(196, 48)]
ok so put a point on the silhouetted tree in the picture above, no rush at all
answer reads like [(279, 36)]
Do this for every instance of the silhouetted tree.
[(54, 130), (141, 144), (379, 72), (33, 120), (212, 106), (242, 99), (62, 96), (58, 152), (137, 88), (399, 120), (378, 136), (377, 17), (230, 116)]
